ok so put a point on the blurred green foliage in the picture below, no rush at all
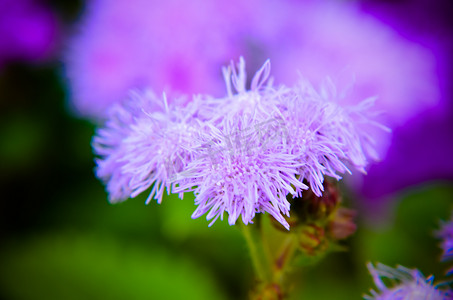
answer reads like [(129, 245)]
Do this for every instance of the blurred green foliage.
[(72, 266)]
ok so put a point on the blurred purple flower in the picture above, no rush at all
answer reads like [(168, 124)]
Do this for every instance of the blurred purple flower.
[(336, 39), (428, 134), (127, 44), (407, 284), (137, 43), (446, 233), (28, 30), (174, 45), (408, 69), (418, 153)]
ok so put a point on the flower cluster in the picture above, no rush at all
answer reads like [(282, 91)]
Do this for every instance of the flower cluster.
[(242, 154), (410, 284)]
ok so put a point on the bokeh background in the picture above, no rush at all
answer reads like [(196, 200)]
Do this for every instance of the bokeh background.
[(63, 62)]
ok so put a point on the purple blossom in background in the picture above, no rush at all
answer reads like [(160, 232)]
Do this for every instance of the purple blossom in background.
[(336, 39), (137, 43), (446, 233), (418, 153), (241, 154), (174, 45), (407, 73), (427, 134), (408, 284), (28, 30)]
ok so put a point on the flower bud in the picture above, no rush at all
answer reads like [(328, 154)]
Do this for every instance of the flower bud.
[(312, 208), (342, 224), (311, 239), (271, 291)]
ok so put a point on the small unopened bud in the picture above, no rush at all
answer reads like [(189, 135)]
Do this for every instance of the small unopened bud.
[(311, 239), (271, 291), (342, 224), (312, 208)]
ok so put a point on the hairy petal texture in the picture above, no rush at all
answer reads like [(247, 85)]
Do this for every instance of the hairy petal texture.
[(142, 144), (240, 172), (326, 136), (311, 142), (410, 284), (260, 103)]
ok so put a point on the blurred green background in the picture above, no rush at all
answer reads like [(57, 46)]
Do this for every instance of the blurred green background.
[(61, 239)]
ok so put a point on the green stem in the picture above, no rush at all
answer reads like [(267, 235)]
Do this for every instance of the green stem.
[(265, 241), (260, 261), (285, 256)]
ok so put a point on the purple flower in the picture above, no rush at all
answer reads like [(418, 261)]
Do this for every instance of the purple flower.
[(336, 39), (446, 233), (428, 24), (447, 245), (409, 284), (143, 143), (410, 72), (426, 136)]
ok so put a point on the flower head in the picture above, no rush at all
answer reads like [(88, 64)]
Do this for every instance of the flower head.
[(410, 284)]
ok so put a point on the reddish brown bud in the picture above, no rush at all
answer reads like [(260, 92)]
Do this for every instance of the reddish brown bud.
[(342, 224), (310, 207), (271, 291), (311, 239)]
